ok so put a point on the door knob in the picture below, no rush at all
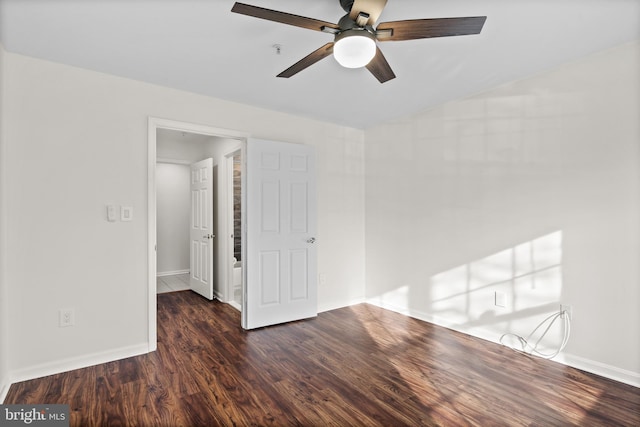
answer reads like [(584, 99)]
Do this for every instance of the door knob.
[(311, 240), (208, 236)]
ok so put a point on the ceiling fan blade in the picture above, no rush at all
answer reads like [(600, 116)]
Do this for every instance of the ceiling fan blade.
[(380, 68), (308, 60), (371, 7), (424, 28), (282, 17)]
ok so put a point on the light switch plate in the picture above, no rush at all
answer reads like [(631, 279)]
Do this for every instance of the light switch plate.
[(126, 213), (111, 213)]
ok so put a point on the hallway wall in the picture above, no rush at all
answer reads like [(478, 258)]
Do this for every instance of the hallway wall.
[(173, 215), (4, 306)]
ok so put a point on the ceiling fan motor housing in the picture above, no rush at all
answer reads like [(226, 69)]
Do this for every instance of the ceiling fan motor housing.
[(346, 23), (346, 5)]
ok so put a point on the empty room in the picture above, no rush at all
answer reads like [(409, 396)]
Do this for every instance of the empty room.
[(338, 212)]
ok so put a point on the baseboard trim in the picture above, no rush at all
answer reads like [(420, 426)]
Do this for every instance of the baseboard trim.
[(328, 307), (587, 365), (4, 389), (235, 305), (171, 273), (72, 363), (322, 308), (602, 369)]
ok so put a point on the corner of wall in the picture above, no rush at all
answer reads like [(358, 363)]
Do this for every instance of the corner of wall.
[(549, 166), (4, 377)]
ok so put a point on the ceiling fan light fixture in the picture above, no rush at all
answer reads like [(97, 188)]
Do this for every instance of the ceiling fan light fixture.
[(354, 48)]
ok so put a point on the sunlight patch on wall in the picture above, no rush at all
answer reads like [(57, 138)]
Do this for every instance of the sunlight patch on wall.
[(396, 298), (509, 291)]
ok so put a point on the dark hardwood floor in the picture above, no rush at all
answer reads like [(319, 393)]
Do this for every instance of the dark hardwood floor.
[(354, 366)]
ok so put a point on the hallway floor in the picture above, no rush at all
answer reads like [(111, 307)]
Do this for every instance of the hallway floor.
[(178, 282)]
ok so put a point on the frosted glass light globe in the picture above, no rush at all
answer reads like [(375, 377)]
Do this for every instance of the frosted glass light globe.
[(354, 51)]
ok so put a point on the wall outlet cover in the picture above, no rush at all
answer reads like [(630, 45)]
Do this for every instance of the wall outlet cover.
[(66, 317), (500, 299)]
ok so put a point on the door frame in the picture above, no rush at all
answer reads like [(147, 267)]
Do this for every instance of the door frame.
[(229, 219), (155, 123)]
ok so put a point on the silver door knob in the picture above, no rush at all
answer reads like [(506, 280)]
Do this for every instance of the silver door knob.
[(208, 236), (311, 240)]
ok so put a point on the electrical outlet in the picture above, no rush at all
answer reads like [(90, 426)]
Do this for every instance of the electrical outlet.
[(322, 279), (566, 309), (66, 317)]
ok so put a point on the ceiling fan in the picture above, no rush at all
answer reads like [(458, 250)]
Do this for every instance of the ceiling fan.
[(354, 45)]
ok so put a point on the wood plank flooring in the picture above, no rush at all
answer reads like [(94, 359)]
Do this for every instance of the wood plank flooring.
[(349, 367)]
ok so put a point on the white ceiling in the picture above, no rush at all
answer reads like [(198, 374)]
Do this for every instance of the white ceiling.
[(200, 46)]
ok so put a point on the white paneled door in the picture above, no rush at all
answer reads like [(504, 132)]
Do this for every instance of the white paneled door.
[(280, 248), (201, 230)]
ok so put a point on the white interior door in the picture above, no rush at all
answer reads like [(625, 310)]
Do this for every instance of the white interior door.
[(280, 252), (201, 230)]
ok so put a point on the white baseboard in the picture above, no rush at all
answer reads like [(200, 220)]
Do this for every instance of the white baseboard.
[(597, 368), (321, 308), (335, 306), (72, 363), (4, 389), (602, 369), (235, 305), (171, 273)]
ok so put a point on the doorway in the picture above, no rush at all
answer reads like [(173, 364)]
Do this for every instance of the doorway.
[(172, 219), (171, 142)]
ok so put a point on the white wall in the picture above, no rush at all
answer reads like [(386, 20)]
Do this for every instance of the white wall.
[(4, 375), (76, 141), (173, 145), (531, 189), (172, 217)]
